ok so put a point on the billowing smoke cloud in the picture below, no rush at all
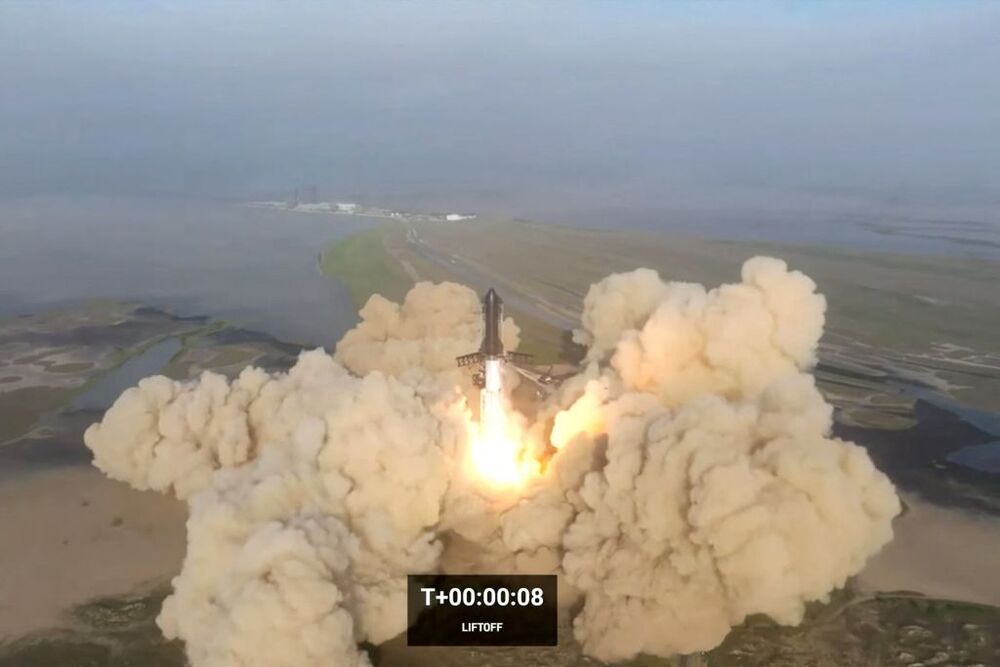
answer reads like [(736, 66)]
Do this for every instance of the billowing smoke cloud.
[(433, 325), (679, 340), (301, 552), (690, 478), (716, 510)]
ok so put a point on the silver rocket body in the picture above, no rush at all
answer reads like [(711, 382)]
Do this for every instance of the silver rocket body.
[(491, 357)]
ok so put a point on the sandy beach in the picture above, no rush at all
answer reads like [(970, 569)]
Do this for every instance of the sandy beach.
[(71, 534)]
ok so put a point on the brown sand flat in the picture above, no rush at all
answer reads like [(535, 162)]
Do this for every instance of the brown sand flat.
[(940, 552), (71, 534)]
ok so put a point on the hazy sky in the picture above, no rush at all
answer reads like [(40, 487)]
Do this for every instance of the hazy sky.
[(504, 102)]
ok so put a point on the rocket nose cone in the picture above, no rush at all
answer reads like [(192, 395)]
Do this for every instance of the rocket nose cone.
[(491, 297)]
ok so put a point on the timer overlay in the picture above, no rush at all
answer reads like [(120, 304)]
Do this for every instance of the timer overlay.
[(449, 610)]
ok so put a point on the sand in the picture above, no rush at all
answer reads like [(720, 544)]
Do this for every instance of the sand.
[(940, 552), (69, 535)]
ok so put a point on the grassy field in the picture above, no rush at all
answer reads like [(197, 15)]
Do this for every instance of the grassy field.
[(918, 315), (362, 262), (883, 299), (380, 261)]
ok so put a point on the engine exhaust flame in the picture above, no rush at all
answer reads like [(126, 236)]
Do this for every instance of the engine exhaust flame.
[(497, 453)]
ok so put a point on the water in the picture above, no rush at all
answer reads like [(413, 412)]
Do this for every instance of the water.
[(255, 268), (104, 392), (985, 457)]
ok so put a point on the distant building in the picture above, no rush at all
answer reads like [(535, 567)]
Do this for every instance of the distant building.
[(343, 207), (456, 217)]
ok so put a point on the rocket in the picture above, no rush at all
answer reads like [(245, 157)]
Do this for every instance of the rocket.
[(491, 356)]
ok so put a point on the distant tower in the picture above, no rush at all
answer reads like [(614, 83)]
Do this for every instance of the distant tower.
[(292, 199)]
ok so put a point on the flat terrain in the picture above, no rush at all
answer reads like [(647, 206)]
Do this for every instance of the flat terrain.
[(940, 552), (896, 325), (80, 536), (389, 259), (908, 355), (931, 320), (70, 534)]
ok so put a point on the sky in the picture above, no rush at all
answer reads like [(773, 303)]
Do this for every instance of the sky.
[(516, 105)]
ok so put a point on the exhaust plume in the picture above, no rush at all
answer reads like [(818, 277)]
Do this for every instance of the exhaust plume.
[(689, 478), (434, 325)]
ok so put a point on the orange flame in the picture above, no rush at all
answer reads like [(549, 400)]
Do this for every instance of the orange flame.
[(498, 455)]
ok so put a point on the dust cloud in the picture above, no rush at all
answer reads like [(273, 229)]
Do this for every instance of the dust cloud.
[(684, 479)]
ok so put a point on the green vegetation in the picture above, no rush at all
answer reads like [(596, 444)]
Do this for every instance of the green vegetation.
[(380, 261), (363, 263), (20, 409), (890, 628), (49, 359), (885, 311)]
